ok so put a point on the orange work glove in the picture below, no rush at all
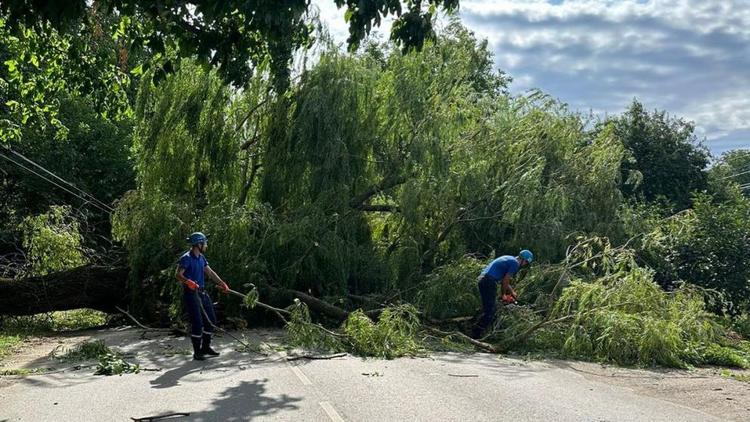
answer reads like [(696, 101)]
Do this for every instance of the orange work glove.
[(224, 287), (191, 284)]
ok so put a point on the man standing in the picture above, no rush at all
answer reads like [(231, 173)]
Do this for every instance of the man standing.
[(190, 272), (500, 270)]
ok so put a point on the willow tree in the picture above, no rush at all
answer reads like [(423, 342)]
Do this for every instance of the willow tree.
[(185, 161), (311, 175)]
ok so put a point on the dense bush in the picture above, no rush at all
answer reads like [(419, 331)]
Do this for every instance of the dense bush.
[(708, 246)]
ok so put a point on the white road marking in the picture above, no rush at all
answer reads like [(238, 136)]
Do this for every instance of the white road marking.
[(331, 412), (301, 375)]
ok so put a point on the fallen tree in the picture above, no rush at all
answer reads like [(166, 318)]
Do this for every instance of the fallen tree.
[(95, 287), (104, 289)]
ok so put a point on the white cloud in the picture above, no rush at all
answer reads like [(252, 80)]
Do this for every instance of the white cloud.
[(690, 57)]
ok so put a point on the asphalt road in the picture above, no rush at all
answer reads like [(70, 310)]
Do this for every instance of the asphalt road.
[(239, 386)]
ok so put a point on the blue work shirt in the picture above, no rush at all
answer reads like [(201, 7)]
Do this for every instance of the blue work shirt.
[(193, 266), (500, 267)]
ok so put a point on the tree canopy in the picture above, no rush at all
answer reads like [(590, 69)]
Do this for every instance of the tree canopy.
[(232, 34), (665, 158), (372, 188)]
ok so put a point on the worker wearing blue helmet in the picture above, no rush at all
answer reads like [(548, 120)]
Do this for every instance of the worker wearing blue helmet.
[(499, 271), (191, 271)]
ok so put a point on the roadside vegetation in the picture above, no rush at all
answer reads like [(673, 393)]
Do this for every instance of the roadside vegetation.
[(363, 194)]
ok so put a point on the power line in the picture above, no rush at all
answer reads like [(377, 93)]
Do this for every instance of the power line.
[(85, 200), (83, 192), (735, 175)]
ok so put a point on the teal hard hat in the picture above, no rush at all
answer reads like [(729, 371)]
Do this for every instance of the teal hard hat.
[(527, 255), (197, 238)]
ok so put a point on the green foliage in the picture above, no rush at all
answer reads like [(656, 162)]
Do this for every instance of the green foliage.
[(41, 64), (251, 299), (394, 335), (60, 321), (8, 342), (93, 157), (451, 290), (715, 354), (301, 331), (411, 28), (52, 242), (113, 364), (21, 372), (230, 34), (665, 158), (108, 361), (731, 170), (706, 246), (181, 146), (735, 376), (741, 324), (624, 317), (389, 165), (86, 351), (77, 319)]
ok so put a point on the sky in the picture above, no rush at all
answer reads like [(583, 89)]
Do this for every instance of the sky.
[(688, 57)]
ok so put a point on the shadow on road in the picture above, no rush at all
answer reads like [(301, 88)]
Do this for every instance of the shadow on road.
[(172, 377), (245, 402)]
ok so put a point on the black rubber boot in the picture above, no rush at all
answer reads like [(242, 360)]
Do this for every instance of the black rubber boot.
[(206, 347), (197, 353)]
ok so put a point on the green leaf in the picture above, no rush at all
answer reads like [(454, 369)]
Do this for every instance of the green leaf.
[(11, 64)]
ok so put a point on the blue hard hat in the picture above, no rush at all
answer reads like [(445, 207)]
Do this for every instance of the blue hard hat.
[(197, 238), (527, 255)]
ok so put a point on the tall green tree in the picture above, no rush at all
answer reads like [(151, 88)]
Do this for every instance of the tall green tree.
[(232, 34), (665, 159), (708, 246), (41, 65)]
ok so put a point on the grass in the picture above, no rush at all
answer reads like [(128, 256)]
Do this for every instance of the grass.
[(78, 319), (735, 376), (60, 321), (8, 342), (21, 372), (13, 330)]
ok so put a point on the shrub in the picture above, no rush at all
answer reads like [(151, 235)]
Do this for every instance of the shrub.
[(451, 290)]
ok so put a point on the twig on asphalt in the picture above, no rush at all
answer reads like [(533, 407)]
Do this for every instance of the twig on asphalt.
[(157, 417), (479, 344), (132, 318), (316, 357)]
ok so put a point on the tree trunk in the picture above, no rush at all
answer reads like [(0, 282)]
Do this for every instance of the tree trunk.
[(100, 288)]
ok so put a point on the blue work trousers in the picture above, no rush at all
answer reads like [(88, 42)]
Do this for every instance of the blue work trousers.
[(488, 293), (198, 323)]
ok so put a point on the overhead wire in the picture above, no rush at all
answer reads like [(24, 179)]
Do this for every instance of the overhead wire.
[(39, 166), (735, 175), (84, 199)]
